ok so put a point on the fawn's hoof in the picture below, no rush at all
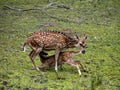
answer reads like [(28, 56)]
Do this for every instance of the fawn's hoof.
[(84, 70)]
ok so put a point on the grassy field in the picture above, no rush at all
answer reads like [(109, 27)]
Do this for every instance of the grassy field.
[(99, 19)]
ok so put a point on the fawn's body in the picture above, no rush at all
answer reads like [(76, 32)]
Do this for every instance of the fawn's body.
[(66, 57)]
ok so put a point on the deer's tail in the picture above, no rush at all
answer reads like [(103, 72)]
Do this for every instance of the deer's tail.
[(23, 47)]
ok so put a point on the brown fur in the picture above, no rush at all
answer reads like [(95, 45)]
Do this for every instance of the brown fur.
[(50, 40), (66, 57)]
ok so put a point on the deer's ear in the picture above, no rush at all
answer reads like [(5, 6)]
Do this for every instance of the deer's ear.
[(85, 37), (76, 37)]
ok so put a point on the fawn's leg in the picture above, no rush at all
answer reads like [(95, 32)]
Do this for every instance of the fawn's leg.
[(43, 66), (82, 66), (73, 64)]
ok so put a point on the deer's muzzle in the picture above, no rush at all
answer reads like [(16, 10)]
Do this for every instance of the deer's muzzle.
[(83, 52)]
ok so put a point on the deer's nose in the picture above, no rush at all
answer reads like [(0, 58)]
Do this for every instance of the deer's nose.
[(83, 51)]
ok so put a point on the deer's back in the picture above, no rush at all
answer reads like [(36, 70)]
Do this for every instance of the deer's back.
[(48, 39)]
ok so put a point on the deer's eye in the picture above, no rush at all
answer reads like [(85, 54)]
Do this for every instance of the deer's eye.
[(82, 45)]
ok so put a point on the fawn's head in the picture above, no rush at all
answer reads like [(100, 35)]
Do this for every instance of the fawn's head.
[(81, 43), (43, 54)]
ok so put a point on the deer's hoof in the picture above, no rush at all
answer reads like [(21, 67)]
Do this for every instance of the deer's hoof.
[(56, 69), (80, 74)]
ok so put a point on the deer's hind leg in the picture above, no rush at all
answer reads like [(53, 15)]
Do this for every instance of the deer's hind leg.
[(32, 56), (32, 59)]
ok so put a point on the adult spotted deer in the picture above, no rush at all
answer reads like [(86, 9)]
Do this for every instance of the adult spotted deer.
[(66, 57), (51, 40)]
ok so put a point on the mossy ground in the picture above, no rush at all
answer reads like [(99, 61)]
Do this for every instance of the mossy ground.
[(99, 20)]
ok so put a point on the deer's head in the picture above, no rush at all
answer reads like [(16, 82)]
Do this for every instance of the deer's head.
[(81, 43)]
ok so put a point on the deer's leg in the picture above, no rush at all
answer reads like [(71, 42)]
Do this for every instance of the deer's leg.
[(31, 57), (73, 64), (56, 59), (33, 54)]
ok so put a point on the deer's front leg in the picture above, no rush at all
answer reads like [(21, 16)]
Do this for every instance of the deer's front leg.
[(57, 52)]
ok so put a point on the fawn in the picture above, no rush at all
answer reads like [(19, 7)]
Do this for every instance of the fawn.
[(66, 57)]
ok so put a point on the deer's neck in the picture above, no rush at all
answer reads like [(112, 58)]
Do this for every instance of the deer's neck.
[(72, 42)]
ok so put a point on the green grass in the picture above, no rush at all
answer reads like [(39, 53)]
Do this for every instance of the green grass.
[(99, 20)]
